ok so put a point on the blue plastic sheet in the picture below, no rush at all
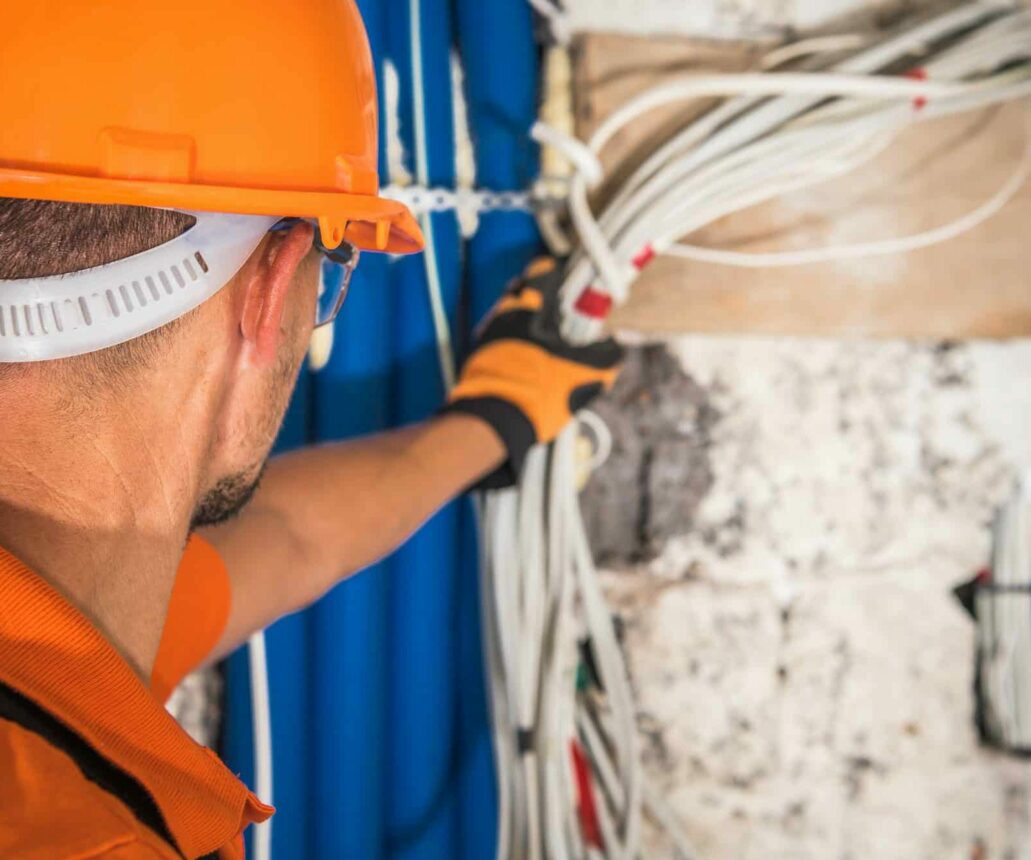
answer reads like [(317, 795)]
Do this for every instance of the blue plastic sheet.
[(381, 742)]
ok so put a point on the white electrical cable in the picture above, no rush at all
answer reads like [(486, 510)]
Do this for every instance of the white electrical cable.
[(904, 244), (1004, 627), (261, 719), (654, 194), (445, 352), (808, 47), (773, 133), (602, 438), (581, 156), (819, 85)]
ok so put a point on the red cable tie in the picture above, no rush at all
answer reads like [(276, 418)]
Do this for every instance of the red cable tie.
[(594, 304), (644, 257), (585, 792), (918, 74)]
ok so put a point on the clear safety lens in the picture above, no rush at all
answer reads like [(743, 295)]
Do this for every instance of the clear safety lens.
[(337, 269), (338, 266)]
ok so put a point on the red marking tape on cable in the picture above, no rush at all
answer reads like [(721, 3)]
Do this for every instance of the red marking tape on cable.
[(585, 790), (644, 257), (919, 74), (594, 304)]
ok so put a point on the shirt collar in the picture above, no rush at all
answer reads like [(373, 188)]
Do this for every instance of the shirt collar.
[(52, 654)]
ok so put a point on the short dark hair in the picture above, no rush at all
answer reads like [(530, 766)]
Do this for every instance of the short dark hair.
[(39, 238)]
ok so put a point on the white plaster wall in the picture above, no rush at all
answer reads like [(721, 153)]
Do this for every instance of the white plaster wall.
[(803, 672)]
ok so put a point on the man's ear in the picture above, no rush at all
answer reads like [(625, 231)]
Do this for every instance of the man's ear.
[(267, 286)]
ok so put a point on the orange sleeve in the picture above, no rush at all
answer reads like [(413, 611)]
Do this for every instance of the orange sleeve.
[(197, 616)]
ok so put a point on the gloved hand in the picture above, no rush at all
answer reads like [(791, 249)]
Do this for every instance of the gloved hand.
[(522, 378)]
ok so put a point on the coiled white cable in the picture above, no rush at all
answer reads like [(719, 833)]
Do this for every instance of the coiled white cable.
[(261, 720), (773, 142), (773, 133)]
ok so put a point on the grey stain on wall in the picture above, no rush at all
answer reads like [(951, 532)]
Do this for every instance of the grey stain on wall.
[(658, 473)]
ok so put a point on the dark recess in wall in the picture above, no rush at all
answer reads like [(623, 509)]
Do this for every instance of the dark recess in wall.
[(659, 472)]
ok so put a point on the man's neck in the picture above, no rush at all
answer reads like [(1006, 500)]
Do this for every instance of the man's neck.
[(102, 514)]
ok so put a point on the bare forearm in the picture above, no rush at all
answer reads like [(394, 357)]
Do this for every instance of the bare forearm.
[(325, 512), (351, 503)]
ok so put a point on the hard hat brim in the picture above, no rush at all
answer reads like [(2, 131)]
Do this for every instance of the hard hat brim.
[(366, 221)]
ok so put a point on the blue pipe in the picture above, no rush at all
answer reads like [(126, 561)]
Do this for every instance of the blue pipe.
[(381, 740), (349, 627), (501, 81), (421, 808)]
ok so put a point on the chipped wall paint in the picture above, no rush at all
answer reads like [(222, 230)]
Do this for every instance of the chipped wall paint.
[(802, 669)]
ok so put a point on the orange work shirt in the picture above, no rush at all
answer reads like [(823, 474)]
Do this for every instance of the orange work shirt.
[(91, 764)]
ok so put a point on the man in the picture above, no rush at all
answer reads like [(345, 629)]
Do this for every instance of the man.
[(147, 355)]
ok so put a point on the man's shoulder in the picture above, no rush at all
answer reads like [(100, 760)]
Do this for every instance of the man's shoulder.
[(49, 809)]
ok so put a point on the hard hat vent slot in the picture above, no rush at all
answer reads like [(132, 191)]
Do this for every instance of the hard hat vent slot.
[(42, 316), (138, 292), (84, 307), (113, 304), (125, 298), (167, 284), (203, 263), (179, 279)]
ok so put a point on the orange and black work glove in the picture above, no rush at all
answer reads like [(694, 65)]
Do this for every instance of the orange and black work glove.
[(522, 378)]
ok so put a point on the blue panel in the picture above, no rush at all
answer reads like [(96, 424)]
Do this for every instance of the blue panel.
[(500, 61), (290, 685), (477, 834), (382, 745), (501, 81), (421, 795), (349, 626)]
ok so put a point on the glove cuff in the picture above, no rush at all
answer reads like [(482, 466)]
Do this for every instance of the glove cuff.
[(511, 424)]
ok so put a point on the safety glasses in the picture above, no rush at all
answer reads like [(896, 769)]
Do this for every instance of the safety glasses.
[(332, 289)]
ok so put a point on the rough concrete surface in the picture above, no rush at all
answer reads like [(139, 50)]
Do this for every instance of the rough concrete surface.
[(803, 672)]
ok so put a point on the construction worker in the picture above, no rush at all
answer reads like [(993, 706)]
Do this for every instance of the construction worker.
[(171, 174)]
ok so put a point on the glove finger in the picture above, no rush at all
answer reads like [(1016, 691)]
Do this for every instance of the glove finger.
[(528, 291), (581, 396), (539, 268), (603, 354)]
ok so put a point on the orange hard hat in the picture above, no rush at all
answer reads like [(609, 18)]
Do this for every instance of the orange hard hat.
[(211, 105)]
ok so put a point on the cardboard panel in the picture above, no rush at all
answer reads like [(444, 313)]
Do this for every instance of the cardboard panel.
[(974, 286)]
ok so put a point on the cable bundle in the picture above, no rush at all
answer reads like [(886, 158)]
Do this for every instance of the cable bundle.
[(1003, 613), (784, 131), (569, 773), (565, 733)]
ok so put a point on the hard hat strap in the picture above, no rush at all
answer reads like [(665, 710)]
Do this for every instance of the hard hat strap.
[(67, 315)]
